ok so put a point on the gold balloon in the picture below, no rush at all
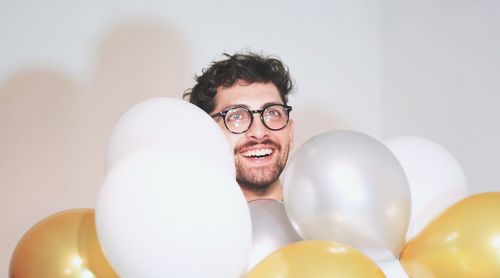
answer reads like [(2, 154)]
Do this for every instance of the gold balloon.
[(464, 241), (62, 245), (316, 259)]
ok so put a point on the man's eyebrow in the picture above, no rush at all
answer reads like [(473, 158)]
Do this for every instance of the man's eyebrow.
[(271, 103), (231, 106)]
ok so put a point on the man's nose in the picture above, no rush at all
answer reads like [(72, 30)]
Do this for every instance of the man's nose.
[(257, 130)]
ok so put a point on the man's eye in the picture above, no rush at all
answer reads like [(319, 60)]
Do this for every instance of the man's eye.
[(234, 117), (274, 113)]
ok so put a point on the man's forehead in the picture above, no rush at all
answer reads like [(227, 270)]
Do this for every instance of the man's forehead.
[(252, 96)]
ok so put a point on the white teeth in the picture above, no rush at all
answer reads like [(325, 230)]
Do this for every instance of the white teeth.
[(259, 152)]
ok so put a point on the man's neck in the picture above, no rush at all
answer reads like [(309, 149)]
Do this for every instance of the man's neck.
[(274, 191)]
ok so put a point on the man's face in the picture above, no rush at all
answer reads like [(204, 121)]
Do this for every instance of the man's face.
[(260, 154)]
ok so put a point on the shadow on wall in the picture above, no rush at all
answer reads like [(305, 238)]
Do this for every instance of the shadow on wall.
[(54, 129), (138, 61)]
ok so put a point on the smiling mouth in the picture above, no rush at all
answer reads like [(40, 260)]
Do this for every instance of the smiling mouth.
[(257, 153)]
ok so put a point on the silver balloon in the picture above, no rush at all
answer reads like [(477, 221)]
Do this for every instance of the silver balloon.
[(347, 187), (271, 229)]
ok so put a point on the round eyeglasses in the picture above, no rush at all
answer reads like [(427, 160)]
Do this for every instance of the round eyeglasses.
[(239, 119)]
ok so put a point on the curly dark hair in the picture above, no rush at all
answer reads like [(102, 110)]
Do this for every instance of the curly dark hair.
[(248, 67)]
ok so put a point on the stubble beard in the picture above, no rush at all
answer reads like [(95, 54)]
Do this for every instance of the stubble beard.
[(259, 179)]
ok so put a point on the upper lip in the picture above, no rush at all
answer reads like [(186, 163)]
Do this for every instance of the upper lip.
[(256, 147)]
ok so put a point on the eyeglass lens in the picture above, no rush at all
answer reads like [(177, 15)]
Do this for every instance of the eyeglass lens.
[(238, 120)]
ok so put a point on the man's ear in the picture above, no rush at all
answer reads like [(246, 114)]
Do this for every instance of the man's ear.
[(291, 123)]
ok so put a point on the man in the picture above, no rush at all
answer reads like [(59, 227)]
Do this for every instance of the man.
[(247, 95)]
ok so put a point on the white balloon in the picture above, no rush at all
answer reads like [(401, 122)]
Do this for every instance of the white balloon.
[(271, 229), (163, 213), (435, 177), (168, 122), (346, 186), (392, 269)]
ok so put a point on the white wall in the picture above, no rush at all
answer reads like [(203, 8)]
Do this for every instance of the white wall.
[(441, 80), (384, 67)]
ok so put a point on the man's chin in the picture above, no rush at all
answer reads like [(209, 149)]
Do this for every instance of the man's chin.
[(257, 178), (254, 186), (255, 182)]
